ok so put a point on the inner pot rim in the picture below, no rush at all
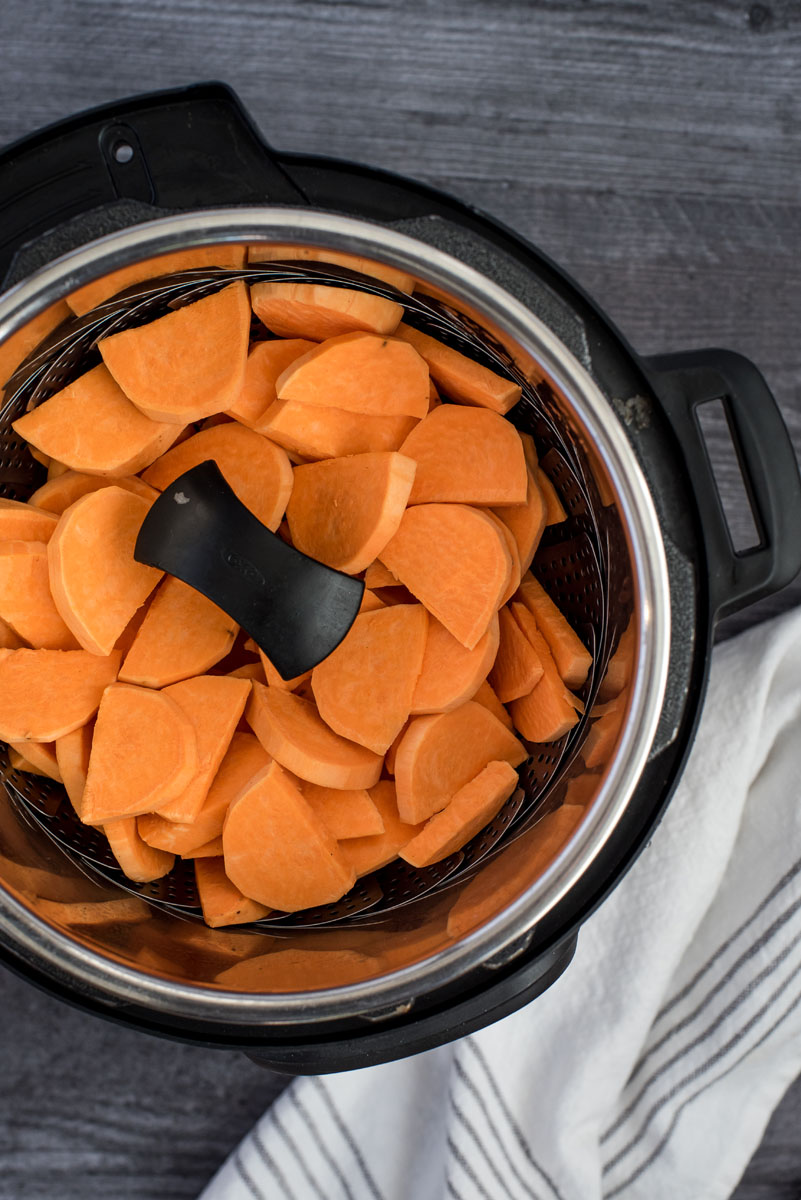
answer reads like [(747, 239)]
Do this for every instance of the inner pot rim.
[(37, 941)]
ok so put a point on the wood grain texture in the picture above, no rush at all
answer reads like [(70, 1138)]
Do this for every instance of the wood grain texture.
[(653, 150)]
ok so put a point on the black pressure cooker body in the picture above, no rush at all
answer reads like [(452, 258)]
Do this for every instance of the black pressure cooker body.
[(196, 149)]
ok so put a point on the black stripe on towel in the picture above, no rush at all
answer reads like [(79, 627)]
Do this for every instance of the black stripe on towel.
[(271, 1165), (323, 1148), (293, 1146), (468, 1170), (343, 1129), (471, 1087), (470, 1128), (245, 1176)]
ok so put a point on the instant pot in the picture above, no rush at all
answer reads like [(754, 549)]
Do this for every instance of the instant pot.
[(644, 547)]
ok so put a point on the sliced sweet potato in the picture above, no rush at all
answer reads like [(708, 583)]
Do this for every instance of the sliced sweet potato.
[(26, 602), (468, 456), (41, 756), (366, 854), (582, 789), (362, 373), (265, 362), (91, 426), (486, 696), (530, 451), (370, 601), (144, 752), (298, 970), (72, 756), (259, 472), (455, 561), (136, 859), (210, 849), (96, 582), (504, 878), (293, 732), (514, 555), (222, 903), (9, 640), (547, 712), (451, 674), (277, 851), (554, 510), (459, 377), (47, 693), (18, 762), (343, 511), (472, 807), (441, 753), (346, 813), (15, 349), (275, 679), (602, 739), (517, 669), (318, 312), (315, 432), (55, 469), (187, 365), (525, 522), (364, 688), (377, 575), (389, 757), (245, 758), (58, 494), (214, 704), (253, 670), (618, 672), (365, 266), (571, 656), (24, 522), (99, 290), (183, 634)]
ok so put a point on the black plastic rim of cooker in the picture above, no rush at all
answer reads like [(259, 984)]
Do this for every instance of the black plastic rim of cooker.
[(196, 148)]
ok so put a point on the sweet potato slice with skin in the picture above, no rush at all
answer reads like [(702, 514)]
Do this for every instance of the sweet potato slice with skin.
[(99, 290), (58, 494), (571, 656), (265, 362), (366, 854), (41, 755), (183, 634), (362, 373), (47, 693), (245, 758), (440, 754), (554, 510), (91, 426), (530, 451), (258, 472), (293, 732), (277, 851), (517, 669), (459, 377), (214, 704), (9, 640), (317, 433), (346, 813), (365, 266), (252, 670), (144, 752), (18, 761), (473, 807), (505, 877), (26, 601), (136, 859), (547, 712), (466, 456), (222, 903), (343, 511), (514, 556), (618, 672), (451, 674), (211, 849), (455, 560), (318, 312), (96, 582), (15, 350), (72, 756), (364, 688), (24, 522), (486, 696), (389, 757), (187, 365), (526, 523)]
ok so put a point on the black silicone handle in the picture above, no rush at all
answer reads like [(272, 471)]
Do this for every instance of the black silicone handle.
[(767, 461), (187, 148)]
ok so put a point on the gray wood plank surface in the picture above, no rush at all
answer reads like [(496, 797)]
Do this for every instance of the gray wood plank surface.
[(652, 149)]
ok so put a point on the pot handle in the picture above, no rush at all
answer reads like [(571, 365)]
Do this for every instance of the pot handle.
[(185, 148), (767, 461)]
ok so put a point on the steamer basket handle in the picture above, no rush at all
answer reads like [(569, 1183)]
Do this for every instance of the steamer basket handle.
[(126, 162), (767, 462)]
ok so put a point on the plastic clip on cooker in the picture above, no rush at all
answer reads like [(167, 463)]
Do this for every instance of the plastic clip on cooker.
[(414, 959)]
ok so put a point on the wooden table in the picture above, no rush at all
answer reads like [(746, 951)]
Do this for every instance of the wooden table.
[(654, 150)]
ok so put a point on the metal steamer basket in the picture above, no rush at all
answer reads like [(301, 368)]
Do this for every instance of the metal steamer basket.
[(387, 970)]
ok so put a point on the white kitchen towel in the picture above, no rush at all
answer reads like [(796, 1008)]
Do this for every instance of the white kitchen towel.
[(650, 1069)]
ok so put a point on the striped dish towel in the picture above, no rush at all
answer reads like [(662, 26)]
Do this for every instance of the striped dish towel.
[(650, 1069)]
